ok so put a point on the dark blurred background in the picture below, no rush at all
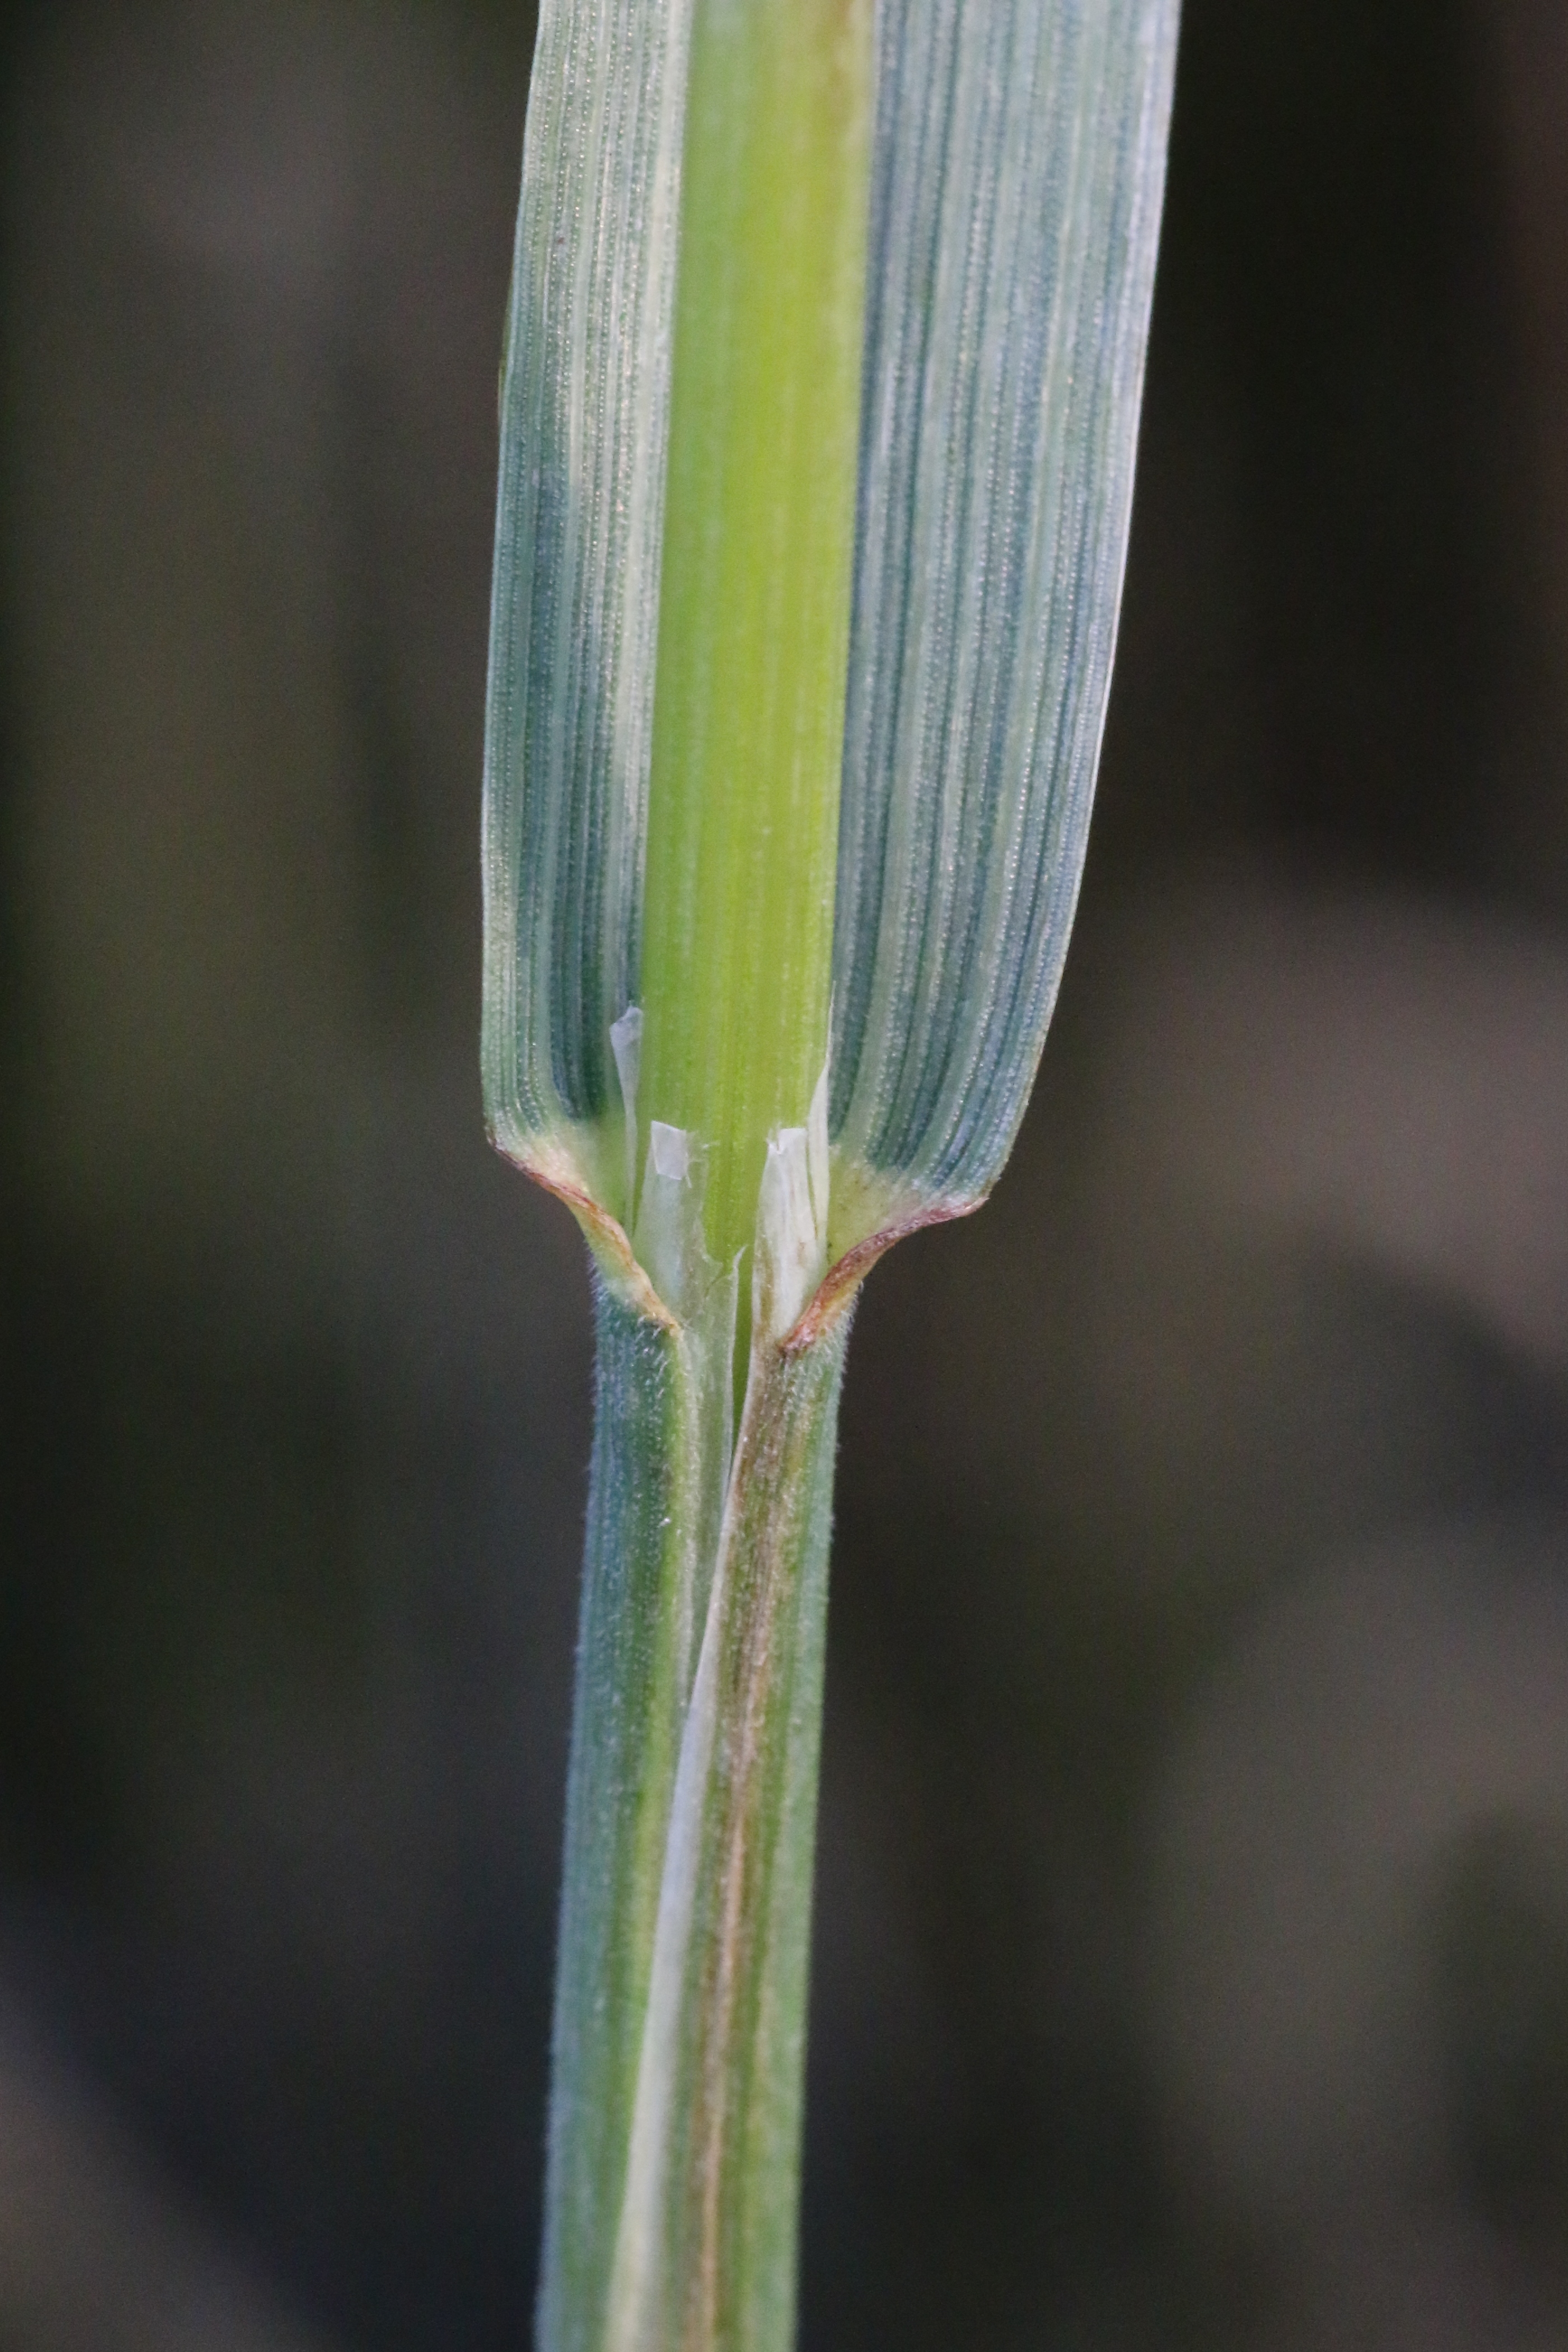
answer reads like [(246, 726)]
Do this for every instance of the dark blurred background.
[(1192, 1950)]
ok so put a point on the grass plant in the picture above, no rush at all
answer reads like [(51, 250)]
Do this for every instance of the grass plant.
[(823, 363)]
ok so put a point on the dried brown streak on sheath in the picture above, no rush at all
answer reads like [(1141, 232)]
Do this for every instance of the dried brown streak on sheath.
[(755, 1651), (729, 1948)]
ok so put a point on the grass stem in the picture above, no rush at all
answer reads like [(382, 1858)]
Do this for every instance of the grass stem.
[(754, 615)]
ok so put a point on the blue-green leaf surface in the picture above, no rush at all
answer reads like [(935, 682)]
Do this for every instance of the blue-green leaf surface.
[(579, 517), (1017, 176)]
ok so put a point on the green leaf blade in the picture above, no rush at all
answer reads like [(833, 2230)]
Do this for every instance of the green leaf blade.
[(578, 529), (1016, 199)]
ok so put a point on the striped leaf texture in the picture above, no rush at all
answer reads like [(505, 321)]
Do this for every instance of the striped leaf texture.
[(584, 436), (1017, 175), (1019, 170)]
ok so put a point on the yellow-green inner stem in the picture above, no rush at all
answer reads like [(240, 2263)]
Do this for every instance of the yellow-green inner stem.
[(755, 591)]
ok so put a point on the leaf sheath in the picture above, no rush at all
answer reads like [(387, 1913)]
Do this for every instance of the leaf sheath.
[(680, 2016)]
